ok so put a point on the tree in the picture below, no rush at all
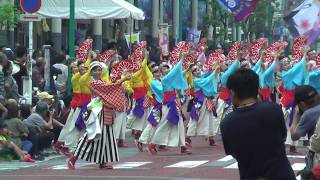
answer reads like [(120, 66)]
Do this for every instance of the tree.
[(9, 16)]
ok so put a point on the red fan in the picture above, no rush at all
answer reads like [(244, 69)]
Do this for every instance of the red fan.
[(213, 58), (105, 56), (318, 61), (84, 49), (233, 52), (174, 56), (188, 60), (218, 51), (245, 49), (273, 49), (256, 47), (298, 47), (121, 67)]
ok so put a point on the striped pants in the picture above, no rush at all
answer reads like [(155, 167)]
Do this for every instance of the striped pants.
[(102, 150)]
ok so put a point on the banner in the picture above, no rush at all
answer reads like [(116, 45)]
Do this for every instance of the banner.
[(193, 36), (164, 40), (305, 20), (240, 9), (135, 38)]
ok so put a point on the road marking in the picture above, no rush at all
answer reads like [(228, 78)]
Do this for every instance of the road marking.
[(226, 158), (187, 164), (298, 177), (15, 165), (232, 166), (129, 165), (298, 166), (64, 166), (296, 157)]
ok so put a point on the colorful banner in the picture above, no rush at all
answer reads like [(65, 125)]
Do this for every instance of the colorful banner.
[(240, 9), (164, 40), (135, 38), (193, 36), (305, 20)]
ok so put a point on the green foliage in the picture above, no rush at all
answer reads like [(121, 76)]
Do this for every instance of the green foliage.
[(9, 15)]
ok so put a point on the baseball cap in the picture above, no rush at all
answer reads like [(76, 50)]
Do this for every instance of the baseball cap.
[(304, 93)]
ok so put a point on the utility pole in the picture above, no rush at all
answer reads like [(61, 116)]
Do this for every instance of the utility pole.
[(71, 43)]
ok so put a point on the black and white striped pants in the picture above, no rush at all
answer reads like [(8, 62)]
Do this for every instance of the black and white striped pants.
[(102, 150)]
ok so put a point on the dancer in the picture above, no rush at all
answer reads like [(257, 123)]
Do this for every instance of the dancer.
[(98, 144), (155, 114), (201, 116), (170, 131)]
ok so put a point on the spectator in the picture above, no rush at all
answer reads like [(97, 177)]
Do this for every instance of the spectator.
[(21, 59), (8, 149), (11, 86), (3, 62), (61, 79), (307, 113), (254, 133), (38, 74), (15, 125), (40, 135)]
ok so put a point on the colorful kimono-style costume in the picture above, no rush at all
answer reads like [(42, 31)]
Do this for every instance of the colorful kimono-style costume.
[(170, 131), (140, 84), (290, 80), (202, 121), (224, 100), (267, 82), (313, 79), (155, 114), (98, 144), (69, 134)]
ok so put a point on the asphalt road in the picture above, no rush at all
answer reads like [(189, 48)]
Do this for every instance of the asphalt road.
[(204, 163)]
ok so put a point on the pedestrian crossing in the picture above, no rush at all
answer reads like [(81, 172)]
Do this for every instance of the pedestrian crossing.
[(227, 163)]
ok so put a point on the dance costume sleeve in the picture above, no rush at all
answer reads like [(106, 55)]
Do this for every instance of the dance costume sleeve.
[(295, 76), (267, 78), (313, 79), (208, 85), (257, 67), (75, 83), (224, 78), (157, 90), (84, 82), (175, 79)]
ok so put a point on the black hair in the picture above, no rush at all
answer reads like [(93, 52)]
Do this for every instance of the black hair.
[(42, 107), (79, 63), (112, 45), (244, 82), (25, 111), (13, 109), (60, 58), (20, 51)]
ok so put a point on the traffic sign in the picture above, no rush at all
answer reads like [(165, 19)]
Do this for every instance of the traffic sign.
[(30, 17), (30, 6)]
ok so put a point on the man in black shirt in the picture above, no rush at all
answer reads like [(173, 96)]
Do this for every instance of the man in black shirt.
[(254, 133), (21, 59)]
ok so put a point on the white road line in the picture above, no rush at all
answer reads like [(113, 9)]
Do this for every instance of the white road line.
[(298, 177), (226, 158), (298, 166), (232, 166), (15, 165), (187, 164), (64, 166), (129, 165), (297, 157)]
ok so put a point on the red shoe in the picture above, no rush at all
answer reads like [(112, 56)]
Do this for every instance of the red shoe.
[(65, 151), (185, 150), (105, 166), (71, 163), (306, 143), (27, 158), (137, 135), (188, 141), (293, 149), (121, 144), (57, 146), (139, 146), (212, 142), (152, 149)]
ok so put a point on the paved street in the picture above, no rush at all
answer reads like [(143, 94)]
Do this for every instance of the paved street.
[(205, 163)]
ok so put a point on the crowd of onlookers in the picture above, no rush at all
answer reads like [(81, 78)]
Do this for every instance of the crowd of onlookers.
[(26, 131)]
